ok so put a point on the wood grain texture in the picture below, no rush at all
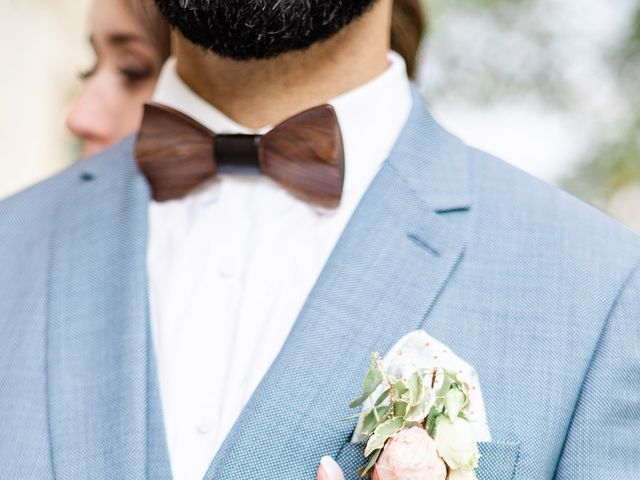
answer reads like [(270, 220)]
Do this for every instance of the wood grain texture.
[(304, 154), (174, 152)]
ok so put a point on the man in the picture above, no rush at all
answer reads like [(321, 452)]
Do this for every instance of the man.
[(201, 325)]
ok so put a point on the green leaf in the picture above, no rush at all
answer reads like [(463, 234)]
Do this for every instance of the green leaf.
[(431, 421), (358, 401), (369, 422), (373, 418), (401, 390), (400, 409), (382, 433), (447, 382), (372, 379), (364, 471), (415, 388), (417, 413), (383, 397), (421, 397)]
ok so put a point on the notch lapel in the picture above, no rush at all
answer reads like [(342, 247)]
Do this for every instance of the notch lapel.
[(102, 392), (380, 282)]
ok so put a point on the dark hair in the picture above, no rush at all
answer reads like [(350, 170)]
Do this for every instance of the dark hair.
[(408, 25)]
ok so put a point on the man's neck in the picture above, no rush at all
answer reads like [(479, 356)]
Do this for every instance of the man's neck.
[(257, 93)]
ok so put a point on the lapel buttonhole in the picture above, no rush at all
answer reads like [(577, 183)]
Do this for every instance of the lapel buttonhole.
[(423, 244)]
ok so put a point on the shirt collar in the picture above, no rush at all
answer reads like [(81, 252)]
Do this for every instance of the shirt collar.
[(371, 117)]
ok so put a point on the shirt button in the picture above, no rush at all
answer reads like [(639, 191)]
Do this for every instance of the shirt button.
[(207, 426), (227, 267), (225, 270)]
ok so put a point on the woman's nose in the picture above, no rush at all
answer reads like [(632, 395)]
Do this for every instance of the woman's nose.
[(92, 117)]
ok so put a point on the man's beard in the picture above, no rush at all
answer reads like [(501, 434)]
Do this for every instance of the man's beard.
[(257, 29)]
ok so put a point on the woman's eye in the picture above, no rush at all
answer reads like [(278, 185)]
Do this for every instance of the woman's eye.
[(135, 75)]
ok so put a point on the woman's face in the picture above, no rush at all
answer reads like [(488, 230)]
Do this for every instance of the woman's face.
[(123, 78)]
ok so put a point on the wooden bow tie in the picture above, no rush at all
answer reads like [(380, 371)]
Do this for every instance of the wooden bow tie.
[(303, 154)]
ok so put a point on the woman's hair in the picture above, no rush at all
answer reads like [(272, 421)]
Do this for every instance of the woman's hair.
[(408, 26), (153, 23)]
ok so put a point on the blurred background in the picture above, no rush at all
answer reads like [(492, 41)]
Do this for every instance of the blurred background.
[(553, 86)]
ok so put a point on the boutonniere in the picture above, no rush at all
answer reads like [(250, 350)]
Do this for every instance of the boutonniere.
[(422, 414)]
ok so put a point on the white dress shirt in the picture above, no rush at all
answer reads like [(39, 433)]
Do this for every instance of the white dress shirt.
[(232, 263)]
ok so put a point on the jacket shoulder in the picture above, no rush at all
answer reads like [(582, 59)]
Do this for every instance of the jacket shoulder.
[(550, 218), (36, 206)]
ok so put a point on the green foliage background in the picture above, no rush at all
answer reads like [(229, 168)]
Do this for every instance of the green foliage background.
[(494, 50), (615, 162)]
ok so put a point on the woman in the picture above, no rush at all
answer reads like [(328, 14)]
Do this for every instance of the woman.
[(131, 44), (131, 41)]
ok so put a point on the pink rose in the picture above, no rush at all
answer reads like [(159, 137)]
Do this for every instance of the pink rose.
[(410, 455)]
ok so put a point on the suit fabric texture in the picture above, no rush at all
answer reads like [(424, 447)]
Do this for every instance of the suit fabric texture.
[(539, 292)]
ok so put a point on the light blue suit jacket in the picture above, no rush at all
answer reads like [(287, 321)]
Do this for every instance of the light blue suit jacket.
[(538, 291)]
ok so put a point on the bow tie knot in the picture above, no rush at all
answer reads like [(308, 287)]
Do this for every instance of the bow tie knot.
[(304, 154)]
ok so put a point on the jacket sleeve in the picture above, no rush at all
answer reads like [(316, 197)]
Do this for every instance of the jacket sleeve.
[(603, 440)]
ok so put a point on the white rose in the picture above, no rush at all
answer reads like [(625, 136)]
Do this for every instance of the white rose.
[(456, 443), (462, 475)]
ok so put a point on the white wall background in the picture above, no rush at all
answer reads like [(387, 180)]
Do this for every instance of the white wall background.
[(42, 47)]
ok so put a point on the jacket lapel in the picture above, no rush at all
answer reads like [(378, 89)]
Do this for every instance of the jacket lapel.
[(102, 392), (384, 275)]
